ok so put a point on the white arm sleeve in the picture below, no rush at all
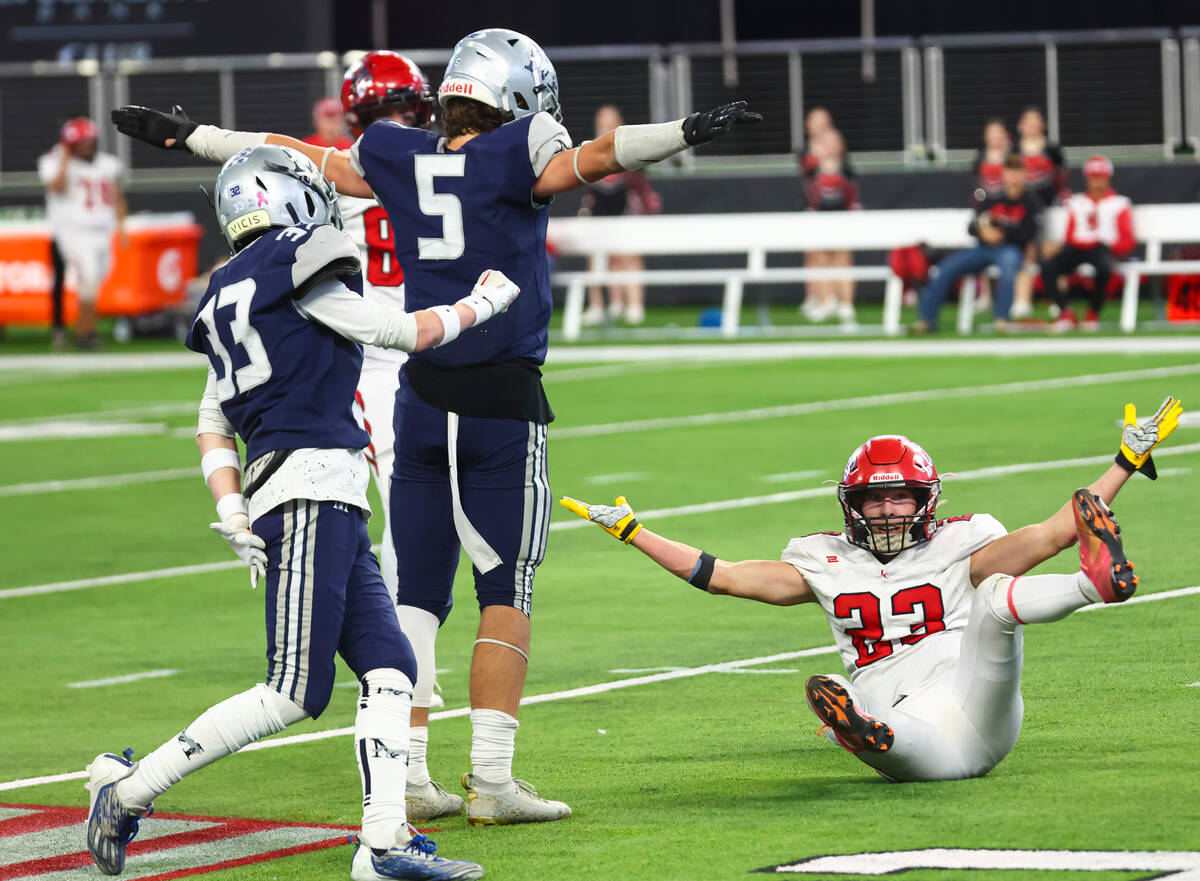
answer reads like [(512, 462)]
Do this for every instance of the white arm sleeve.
[(218, 144), (637, 146), (341, 310), (212, 418)]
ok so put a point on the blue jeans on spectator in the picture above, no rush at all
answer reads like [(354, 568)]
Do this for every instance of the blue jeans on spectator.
[(1007, 258)]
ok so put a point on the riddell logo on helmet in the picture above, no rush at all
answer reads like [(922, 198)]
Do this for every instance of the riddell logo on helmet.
[(456, 88), (885, 476)]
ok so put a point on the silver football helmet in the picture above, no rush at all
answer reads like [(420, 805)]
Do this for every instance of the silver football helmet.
[(502, 69), (269, 186)]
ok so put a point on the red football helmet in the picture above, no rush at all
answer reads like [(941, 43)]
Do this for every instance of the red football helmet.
[(890, 460), (385, 81), (77, 130)]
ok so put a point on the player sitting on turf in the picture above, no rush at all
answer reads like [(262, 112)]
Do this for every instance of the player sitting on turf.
[(281, 324), (927, 613)]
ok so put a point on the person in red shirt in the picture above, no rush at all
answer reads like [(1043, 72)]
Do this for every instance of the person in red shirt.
[(329, 125), (1099, 231)]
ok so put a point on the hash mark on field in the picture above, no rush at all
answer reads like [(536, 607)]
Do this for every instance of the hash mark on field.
[(117, 680), (670, 669), (619, 477), (1193, 685), (789, 476)]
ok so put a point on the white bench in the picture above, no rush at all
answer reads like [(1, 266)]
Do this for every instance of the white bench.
[(758, 234)]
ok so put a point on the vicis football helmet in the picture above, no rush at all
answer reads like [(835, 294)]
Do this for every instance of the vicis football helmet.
[(890, 460), (267, 187), (381, 82), (502, 69)]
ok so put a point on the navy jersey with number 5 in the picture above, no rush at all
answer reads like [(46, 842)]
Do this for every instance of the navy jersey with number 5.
[(284, 382), (456, 213)]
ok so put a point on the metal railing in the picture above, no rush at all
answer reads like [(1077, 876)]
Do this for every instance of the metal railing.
[(926, 103)]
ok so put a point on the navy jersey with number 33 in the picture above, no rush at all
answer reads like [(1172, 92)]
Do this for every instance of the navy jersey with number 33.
[(284, 382), (456, 213)]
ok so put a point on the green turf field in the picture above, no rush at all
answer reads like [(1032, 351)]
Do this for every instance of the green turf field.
[(704, 776)]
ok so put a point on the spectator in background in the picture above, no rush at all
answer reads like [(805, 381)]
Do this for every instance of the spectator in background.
[(829, 186), (1099, 230), (1004, 225), (816, 122), (624, 193), (1045, 176), (84, 207), (989, 161), (330, 125)]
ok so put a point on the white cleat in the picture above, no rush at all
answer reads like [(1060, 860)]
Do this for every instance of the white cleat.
[(416, 860), (111, 824), (429, 802), (520, 805)]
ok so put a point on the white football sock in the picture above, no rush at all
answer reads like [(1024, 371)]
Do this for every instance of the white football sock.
[(381, 748), (222, 729), (1039, 599), (493, 736), (418, 743), (421, 628)]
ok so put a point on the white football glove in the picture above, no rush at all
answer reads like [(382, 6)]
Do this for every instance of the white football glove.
[(236, 531), (493, 293)]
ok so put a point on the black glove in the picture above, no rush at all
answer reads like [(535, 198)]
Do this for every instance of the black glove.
[(153, 126), (700, 128)]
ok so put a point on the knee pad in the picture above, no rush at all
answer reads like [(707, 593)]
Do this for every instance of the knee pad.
[(993, 591), (421, 628), (277, 709)]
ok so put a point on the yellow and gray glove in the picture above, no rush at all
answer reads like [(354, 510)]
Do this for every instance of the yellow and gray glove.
[(616, 519), (1137, 441)]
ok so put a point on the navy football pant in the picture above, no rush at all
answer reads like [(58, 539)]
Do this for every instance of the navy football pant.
[(505, 491), (324, 596)]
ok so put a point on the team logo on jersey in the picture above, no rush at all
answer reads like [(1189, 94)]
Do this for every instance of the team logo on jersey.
[(831, 558)]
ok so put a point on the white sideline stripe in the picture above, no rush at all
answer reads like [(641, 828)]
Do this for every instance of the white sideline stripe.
[(867, 401), (51, 486), (700, 508), (117, 680), (787, 476), (584, 691)]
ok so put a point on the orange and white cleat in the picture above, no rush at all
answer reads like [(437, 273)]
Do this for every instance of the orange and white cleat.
[(1101, 554), (856, 731)]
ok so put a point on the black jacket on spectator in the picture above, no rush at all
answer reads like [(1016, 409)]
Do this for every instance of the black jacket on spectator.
[(1018, 218)]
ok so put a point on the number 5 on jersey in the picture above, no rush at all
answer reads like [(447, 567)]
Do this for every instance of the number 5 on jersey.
[(452, 243)]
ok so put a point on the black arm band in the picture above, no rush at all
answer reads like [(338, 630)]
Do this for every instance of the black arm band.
[(703, 571)]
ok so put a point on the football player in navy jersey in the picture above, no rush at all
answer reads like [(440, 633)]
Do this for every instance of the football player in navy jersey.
[(282, 325), (471, 417)]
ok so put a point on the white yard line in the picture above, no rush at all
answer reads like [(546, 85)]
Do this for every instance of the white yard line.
[(162, 408), (566, 694), (721, 351), (789, 476), (118, 680), (870, 401), (699, 508), (63, 429), (52, 486)]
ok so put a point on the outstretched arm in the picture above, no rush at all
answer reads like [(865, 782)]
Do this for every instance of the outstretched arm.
[(174, 131), (632, 147), (768, 581), (1018, 552)]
